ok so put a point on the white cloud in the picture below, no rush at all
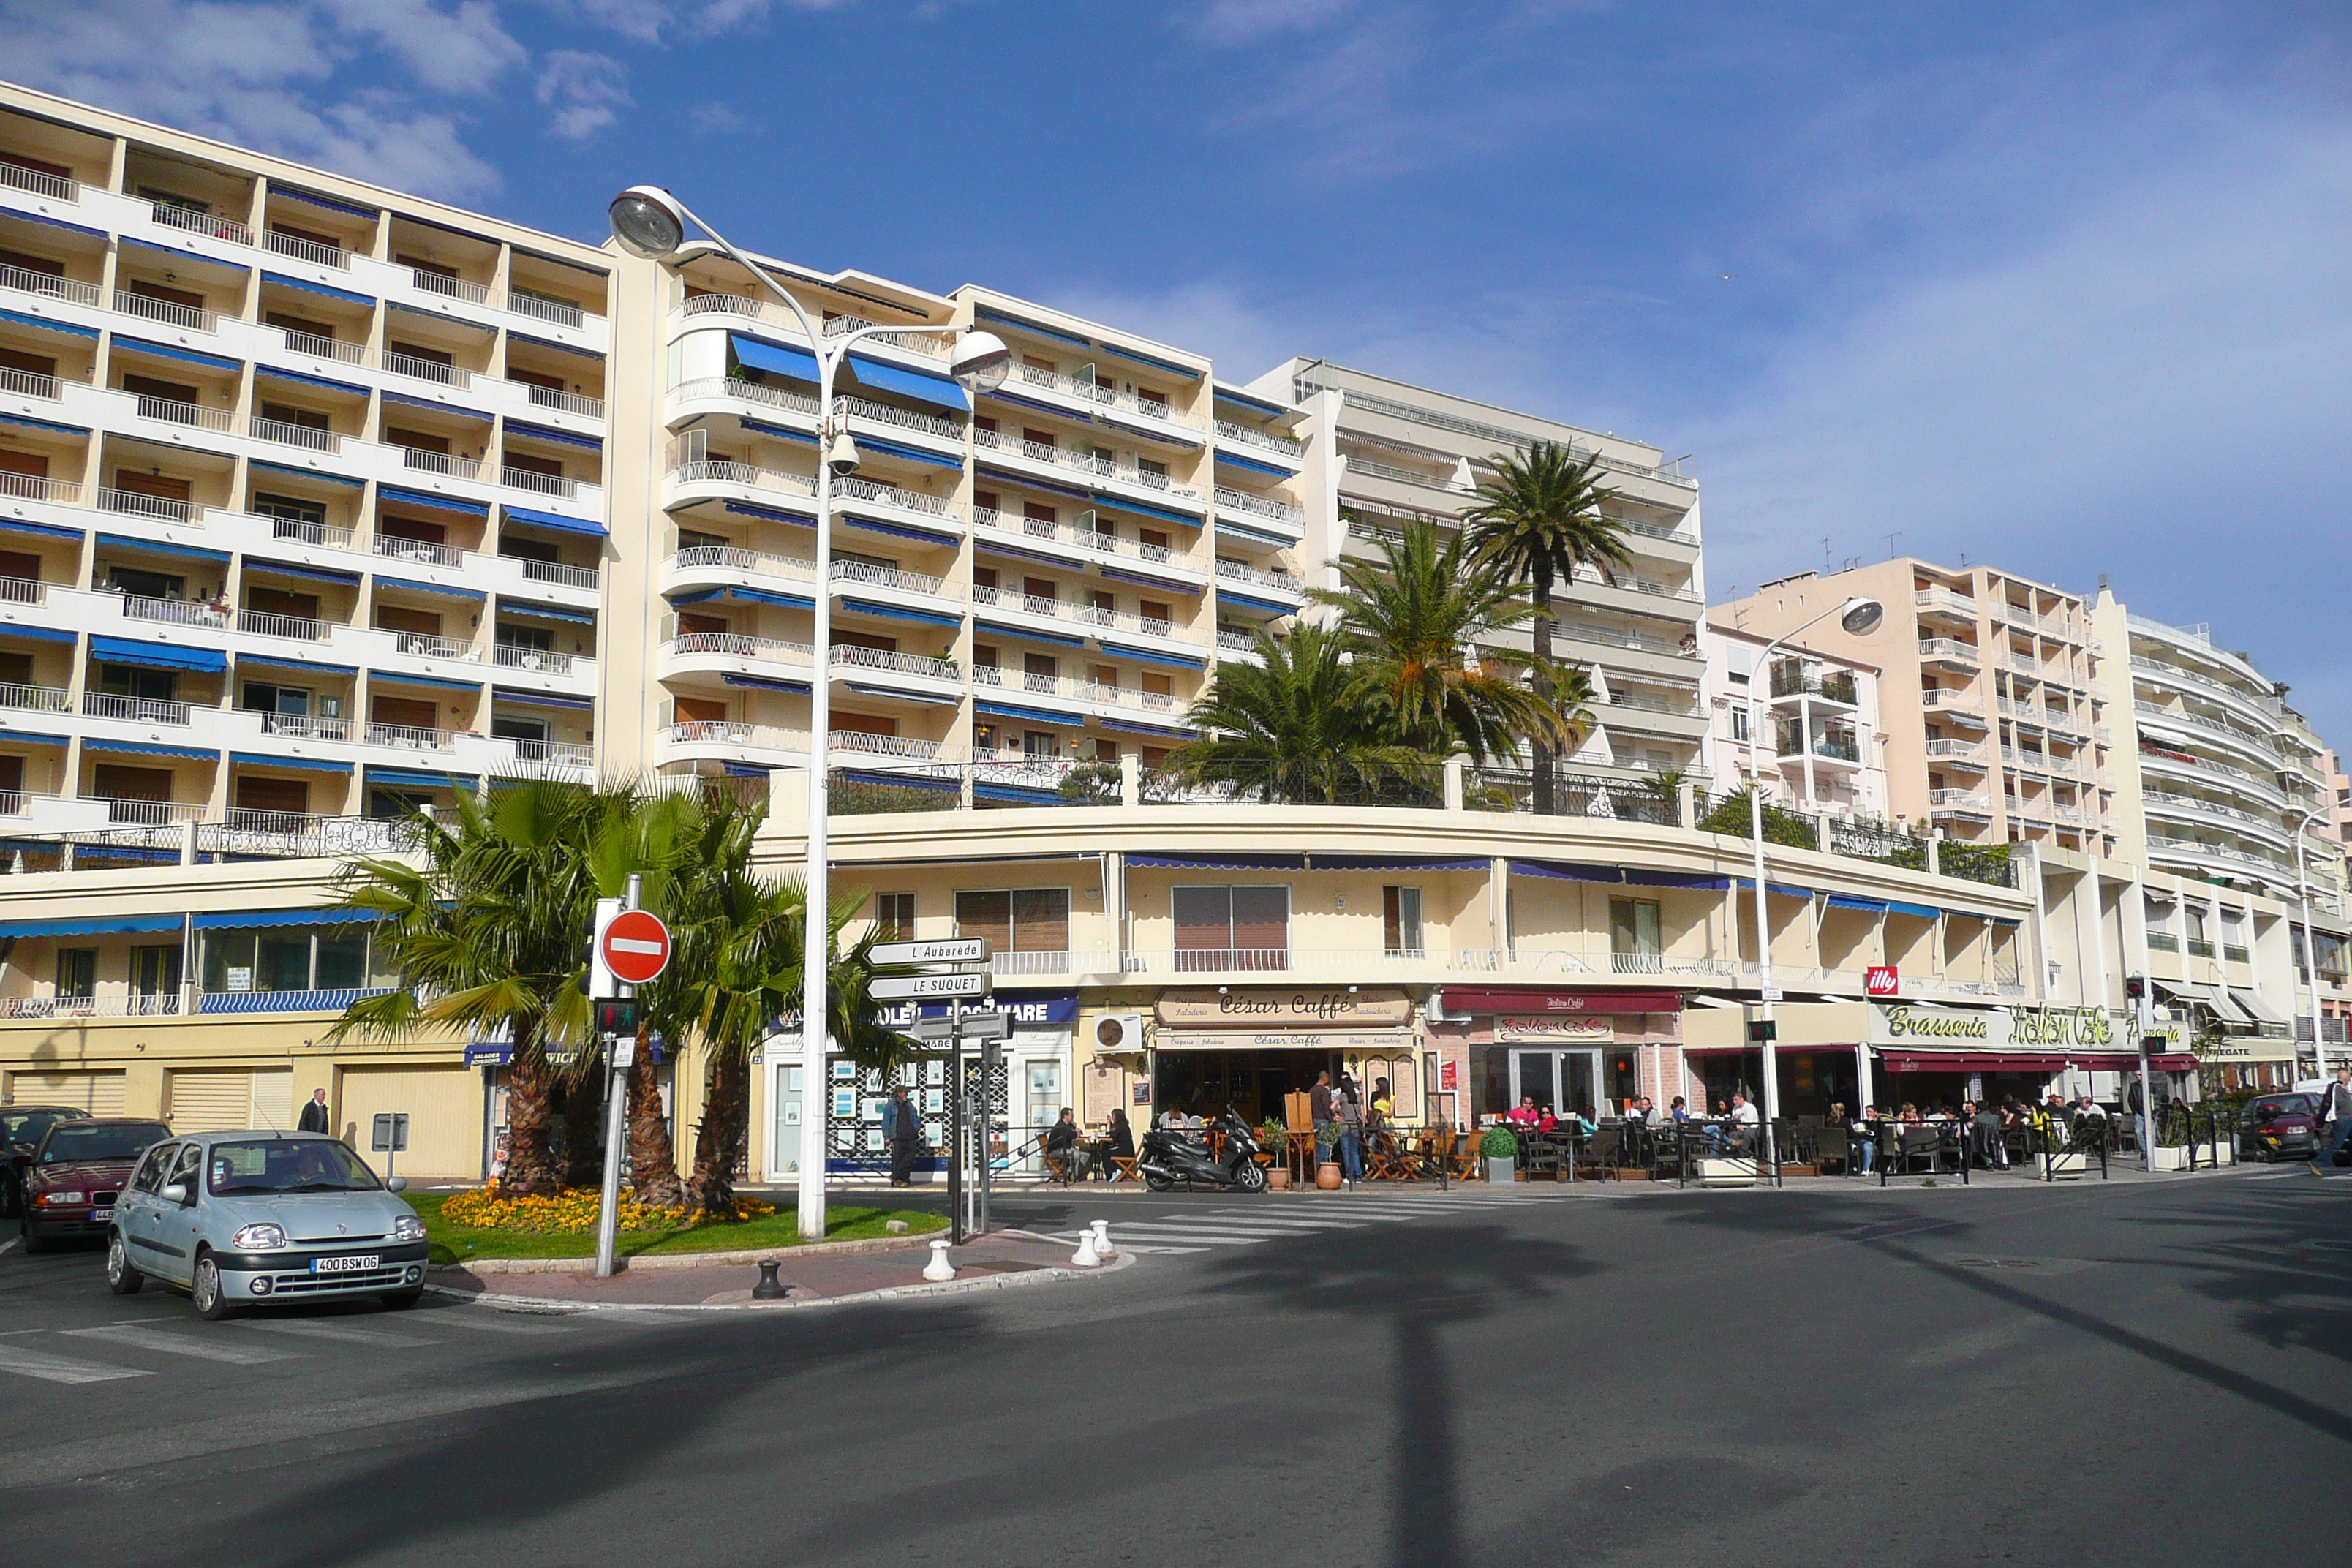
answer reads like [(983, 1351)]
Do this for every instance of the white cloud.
[(715, 118), (463, 49), (1235, 22), (586, 91)]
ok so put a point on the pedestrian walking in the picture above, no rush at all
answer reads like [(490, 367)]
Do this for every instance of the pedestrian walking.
[(902, 1129), (314, 1114), (1319, 1108), (1348, 1112), (2335, 1101)]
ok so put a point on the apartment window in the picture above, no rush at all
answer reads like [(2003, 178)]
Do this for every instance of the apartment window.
[(1038, 512), (1155, 401), (1231, 927), (304, 514), (1738, 716), (155, 971), (1151, 539), (1032, 361), (1153, 610), (1157, 685), (1147, 465), (984, 577), (984, 656), (77, 974), (1400, 921), (1106, 750), (1634, 946), (1016, 920), (1035, 438), (289, 958), (1042, 588), (894, 917), (1040, 746)]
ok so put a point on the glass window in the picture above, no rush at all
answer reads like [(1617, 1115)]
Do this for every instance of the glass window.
[(1231, 927), (1400, 920), (894, 917), (342, 957), (1024, 919), (70, 1144), (289, 1165), (282, 962), (77, 972), (1633, 926), (150, 1174)]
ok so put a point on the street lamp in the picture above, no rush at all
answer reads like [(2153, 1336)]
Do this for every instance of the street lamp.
[(650, 223), (2310, 964), (1859, 617)]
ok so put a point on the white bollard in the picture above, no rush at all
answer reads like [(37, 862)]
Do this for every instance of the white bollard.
[(1083, 1257), (1103, 1248), (938, 1269)]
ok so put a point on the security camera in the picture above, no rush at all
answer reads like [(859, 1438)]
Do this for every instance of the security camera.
[(840, 455)]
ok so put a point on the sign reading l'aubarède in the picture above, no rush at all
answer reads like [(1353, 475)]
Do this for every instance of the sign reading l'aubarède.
[(1330, 1007)]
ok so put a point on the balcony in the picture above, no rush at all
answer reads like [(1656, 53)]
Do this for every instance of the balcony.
[(1095, 393), (1281, 582), (1944, 602), (194, 220), (411, 738), (309, 438), (168, 311), (730, 732), (423, 462), (135, 710), (26, 281), (1084, 614), (1943, 650), (563, 401), (1089, 540), (1264, 440), (1233, 501), (850, 656), (555, 753), (1959, 801), (425, 551), (736, 644), (317, 347), (309, 250), (175, 413), (450, 287), (560, 313), (889, 495), (32, 487), (15, 176), (36, 699), (543, 484), (540, 660), (865, 574), (558, 573), (1956, 750), (29, 383), (1838, 685), (1064, 686), (911, 747), (426, 369), (265, 624)]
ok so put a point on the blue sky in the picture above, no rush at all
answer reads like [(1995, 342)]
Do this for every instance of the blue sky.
[(2062, 287)]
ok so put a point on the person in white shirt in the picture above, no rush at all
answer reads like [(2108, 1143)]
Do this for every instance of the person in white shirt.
[(1744, 1121)]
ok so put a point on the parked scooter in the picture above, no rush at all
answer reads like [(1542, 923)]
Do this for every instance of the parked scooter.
[(1170, 1159)]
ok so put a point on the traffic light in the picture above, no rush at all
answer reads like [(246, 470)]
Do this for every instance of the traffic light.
[(2135, 987), (1762, 1029), (618, 1016)]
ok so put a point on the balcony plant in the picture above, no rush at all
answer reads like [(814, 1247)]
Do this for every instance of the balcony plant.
[(1729, 814)]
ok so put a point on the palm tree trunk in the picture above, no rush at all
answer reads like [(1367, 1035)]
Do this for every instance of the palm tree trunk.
[(1546, 798), (530, 1162), (583, 1165), (719, 1140), (653, 1169)]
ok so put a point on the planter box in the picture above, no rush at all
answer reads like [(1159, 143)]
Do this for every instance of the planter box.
[(2160, 1159), (1800, 1170), (1504, 1171), (1727, 1172), (1624, 1176)]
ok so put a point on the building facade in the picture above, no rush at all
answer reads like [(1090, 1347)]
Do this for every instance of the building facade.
[(1819, 725)]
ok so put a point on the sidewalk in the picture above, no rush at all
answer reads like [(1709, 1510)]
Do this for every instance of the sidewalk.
[(990, 1260)]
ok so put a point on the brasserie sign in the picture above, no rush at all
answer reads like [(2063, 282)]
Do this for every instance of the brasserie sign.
[(1925, 1026)]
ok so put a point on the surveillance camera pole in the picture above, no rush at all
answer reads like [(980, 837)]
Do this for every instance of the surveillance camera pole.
[(616, 1111)]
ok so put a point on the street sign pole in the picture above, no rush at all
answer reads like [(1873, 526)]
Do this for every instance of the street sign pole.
[(617, 1058), (2144, 1020), (955, 1141)]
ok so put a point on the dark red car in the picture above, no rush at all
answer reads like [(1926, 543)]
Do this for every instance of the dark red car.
[(21, 1126), (75, 1171), (2278, 1126)]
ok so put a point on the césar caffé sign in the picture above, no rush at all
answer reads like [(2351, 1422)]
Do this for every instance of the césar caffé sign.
[(1268, 1008)]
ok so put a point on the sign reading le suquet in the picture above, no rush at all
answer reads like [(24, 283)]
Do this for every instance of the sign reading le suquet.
[(1925, 1026), (1324, 1007)]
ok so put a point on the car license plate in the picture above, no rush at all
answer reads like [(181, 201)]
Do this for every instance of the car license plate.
[(102, 1214), (357, 1264)]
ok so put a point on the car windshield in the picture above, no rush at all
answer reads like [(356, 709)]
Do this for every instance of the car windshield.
[(26, 1126), (287, 1165), (70, 1144)]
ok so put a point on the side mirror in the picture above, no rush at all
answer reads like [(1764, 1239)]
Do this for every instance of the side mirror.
[(177, 1192), (395, 1183)]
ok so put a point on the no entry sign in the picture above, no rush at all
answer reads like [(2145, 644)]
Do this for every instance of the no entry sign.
[(636, 946)]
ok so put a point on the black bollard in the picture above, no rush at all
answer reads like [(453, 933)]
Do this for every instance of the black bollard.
[(769, 1288)]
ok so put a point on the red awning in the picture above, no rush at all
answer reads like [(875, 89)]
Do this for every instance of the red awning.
[(1967, 1061), (2122, 1061), (1562, 1001), (1752, 1049)]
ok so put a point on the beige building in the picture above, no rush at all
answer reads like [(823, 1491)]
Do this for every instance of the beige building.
[(1820, 726)]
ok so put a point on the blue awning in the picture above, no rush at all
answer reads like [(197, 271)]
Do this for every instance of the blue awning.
[(1397, 863), (260, 468), (183, 253), (1149, 655), (898, 530), (141, 749), (1150, 576), (559, 348), (742, 771), (742, 595), (1076, 492), (247, 661), (126, 541), (1918, 911), (43, 324), (1848, 901), (52, 222), (998, 547), (781, 432), (1169, 366), (1144, 509), (756, 683), (542, 700), (989, 313), (271, 372), (923, 386), (1032, 715), (426, 498), (902, 781), (1748, 885), (897, 695), (445, 591), (345, 295), (911, 453), (1186, 439), (308, 764), (869, 607), (1265, 606), (329, 204), (435, 406), (555, 520), (1010, 629), (420, 778), (1040, 405), (248, 919), (774, 359), (1568, 871), (157, 656), (1250, 400), (561, 438), (1226, 525), (46, 427), (26, 738), (46, 531), (166, 351), (89, 925), (1017, 794), (1234, 460), (39, 634), (1132, 726), (1237, 861), (770, 514), (378, 677), (546, 612), (312, 573)]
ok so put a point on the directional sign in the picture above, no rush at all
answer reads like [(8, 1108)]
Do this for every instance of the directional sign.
[(990, 1026), (636, 946), (929, 987), (947, 950)]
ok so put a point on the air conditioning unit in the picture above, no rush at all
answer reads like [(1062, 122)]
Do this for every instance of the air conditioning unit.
[(1118, 1032)]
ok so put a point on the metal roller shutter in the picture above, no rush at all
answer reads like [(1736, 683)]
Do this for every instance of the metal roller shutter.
[(444, 1117), (99, 1093), (210, 1100), (273, 1098)]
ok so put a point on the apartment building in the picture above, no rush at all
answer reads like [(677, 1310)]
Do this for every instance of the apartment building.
[(1820, 727), (1387, 450)]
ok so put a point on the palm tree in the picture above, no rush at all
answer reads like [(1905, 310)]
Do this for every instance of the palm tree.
[(1296, 727), (1412, 622), (1538, 519)]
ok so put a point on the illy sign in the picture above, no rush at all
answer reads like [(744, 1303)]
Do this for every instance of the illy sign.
[(1880, 979)]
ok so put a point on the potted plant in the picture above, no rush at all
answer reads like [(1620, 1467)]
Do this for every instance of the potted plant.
[(1274, 1148), (1500, 1149)]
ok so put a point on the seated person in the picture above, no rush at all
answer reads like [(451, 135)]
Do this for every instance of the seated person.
[(1122, 1142), (1867, 1132), (1063, 1155), (1525, 1113), (1581, 1120), (1546, 1122), (1744, 1122), (1679, 1112)]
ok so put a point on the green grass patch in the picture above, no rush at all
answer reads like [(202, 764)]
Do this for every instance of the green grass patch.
[(452, 1243)]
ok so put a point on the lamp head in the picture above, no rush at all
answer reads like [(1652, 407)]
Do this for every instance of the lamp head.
[(1860, 617), (981, 362), (841, 455), (649, 222)]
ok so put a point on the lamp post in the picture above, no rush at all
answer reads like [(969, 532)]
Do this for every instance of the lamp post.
[(650, 223), (1860, 617), (2310, 961)]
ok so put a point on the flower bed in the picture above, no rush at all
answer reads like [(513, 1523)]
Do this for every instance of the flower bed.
[(572, 1209)]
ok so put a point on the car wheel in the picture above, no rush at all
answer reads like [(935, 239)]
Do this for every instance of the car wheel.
[(123, 1276), (401, 1300), (206, 1290), (24, 1229)]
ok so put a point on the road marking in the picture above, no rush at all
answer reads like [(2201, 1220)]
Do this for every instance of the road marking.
[(1251, 1222), (1195, 1237), (489, 1320), (345, 1332), (11, 1241), (52, 1368), (181, 1344)]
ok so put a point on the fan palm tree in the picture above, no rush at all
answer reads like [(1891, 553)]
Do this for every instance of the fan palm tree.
[(1296, 727), (1538, 519), (1413, 621)]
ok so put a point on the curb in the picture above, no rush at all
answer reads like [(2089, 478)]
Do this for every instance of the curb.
[(687, 1259), (543, 1305)]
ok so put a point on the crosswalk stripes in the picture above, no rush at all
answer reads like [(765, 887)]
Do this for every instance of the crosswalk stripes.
[(49, 1367), (1200, 1229), (345, 1333), (169, 1343), (488, 1319)]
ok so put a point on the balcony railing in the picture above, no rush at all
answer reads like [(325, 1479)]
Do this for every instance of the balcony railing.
[(733, 733), (558, 573), (1945, 647), (410, 737), (285, 433), (1242, 571), (309, 250), (710, 473), (1638, 642), (737, 645), (868, 574), (1266, 440), (36, 699), (33, 486), (556, 753), (891, 495), (137, 710), (543, 484), (431, 370), (565, 402), (1968, 750), (898, 663), (173, 412), (1231, 499), (40, 181), (29, 383), (520, 656), (335, 349), (1958, 800), (882, 745), (426, 462), (427, 551), (25, 281), (732, 558), (1098, 539), (176, 612), (453, 288), (23, 590), (169, 312), (430, 645), (194, 220), (304, 726), (267, 624), (326, 535), (563, 312), (932, 345)]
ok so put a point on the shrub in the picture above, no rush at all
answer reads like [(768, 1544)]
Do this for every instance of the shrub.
[(1498, 1144)]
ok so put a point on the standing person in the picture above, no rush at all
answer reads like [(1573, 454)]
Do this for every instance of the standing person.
[(1319, 1106), (2335, 1101), (1350, 1115), (314, 1114), (900, 1128)]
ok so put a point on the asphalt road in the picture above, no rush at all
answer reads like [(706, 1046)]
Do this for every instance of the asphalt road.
[(2135, 1373)]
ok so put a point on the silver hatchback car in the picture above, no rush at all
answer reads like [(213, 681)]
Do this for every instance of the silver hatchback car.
[(240, 1218)]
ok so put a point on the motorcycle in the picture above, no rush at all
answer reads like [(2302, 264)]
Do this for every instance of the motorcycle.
[(1168, 1159)]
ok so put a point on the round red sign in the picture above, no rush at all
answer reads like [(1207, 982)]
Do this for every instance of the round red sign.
[(636, 946)]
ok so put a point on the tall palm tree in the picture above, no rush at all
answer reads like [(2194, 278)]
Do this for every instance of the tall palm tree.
[(1412, 623), (1538, 519), (1296, 727)]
